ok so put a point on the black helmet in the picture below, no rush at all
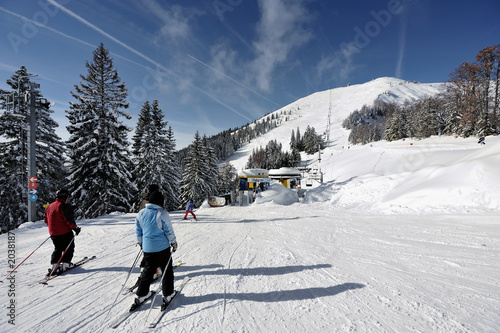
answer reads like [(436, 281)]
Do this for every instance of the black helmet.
[(62, 194)]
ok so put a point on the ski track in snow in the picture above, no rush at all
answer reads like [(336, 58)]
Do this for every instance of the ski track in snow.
[(298, 268)]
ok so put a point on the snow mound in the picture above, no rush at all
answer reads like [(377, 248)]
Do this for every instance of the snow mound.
[(470, 183), (277, 194), (432, 175)]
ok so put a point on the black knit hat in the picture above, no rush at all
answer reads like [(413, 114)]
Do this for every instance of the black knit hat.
[(156, 198), (62, 194), (153, 188)]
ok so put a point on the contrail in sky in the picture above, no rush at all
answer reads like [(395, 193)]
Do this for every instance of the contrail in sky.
[(402, 42), (46, 27), (230, 78), (62, 34), (102, 32)]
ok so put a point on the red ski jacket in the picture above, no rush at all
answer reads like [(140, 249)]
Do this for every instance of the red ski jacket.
[(59, 216)]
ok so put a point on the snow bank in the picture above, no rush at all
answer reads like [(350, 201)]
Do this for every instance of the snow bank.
[(469, 181), (432, 175), (277, 194)]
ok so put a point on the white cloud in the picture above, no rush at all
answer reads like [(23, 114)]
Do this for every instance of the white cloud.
[(280, 30), (340, 64), (176, 20)]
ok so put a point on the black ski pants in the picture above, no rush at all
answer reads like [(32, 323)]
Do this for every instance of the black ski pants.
[(152, 261), (60, 244)]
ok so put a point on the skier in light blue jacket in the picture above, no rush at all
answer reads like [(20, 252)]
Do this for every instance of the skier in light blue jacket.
[(157, 238)]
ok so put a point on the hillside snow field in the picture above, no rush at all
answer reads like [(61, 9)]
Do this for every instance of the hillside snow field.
[(400, 237)]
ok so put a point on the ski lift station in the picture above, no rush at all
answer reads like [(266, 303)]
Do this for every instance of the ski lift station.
[(252, 181), (288, 177)]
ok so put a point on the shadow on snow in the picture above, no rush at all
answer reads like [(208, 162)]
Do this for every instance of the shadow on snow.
[(276, 296)]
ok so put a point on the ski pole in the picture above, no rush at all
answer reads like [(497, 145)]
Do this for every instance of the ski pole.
[(24, 260), (57, 265), (124, 283)]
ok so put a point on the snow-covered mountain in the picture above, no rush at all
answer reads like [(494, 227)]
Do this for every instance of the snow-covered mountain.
[(313, 111), (401, 176), (401, 237)]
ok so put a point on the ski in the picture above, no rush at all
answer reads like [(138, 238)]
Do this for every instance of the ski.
[(162, 312), (127, 314), (156, 277), (76, 264)]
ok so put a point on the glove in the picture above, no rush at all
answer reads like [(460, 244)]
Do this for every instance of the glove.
[(77, 230), (174, 246)]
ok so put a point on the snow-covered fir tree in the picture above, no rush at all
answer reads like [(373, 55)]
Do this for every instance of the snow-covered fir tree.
[(140, 153), (396, 126), (194, 177), (13, 155), (100, 179), (212, 174), (425, 122), (154, 160), (272, 157), (311, 140), (142, 129), (172, 185), (228, 178), (293, 143)]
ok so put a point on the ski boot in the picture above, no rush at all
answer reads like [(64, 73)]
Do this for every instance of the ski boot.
[(167, 300)]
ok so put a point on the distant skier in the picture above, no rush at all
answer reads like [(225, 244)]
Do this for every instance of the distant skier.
[(156, 236), (481, 141), (189, 209), (60, 218)]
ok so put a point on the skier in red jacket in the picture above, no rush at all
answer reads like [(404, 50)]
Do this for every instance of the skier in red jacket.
[(60, 218)]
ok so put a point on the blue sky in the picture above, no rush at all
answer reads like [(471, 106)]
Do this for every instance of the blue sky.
[(219, 64)]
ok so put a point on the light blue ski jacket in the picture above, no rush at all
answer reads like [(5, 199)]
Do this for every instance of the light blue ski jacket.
[(154, 229)]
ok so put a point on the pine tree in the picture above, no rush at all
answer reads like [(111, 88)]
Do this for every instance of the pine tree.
[(194, 185), (154, 158), (295, 158), (311, 140), (274, 155), (142, 130), (212, 176), (228, 178), (13, 156), (396, 126), (298, 141), (173, 176), (293, 143), (141, 149), (100, 179), (425, 122)]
